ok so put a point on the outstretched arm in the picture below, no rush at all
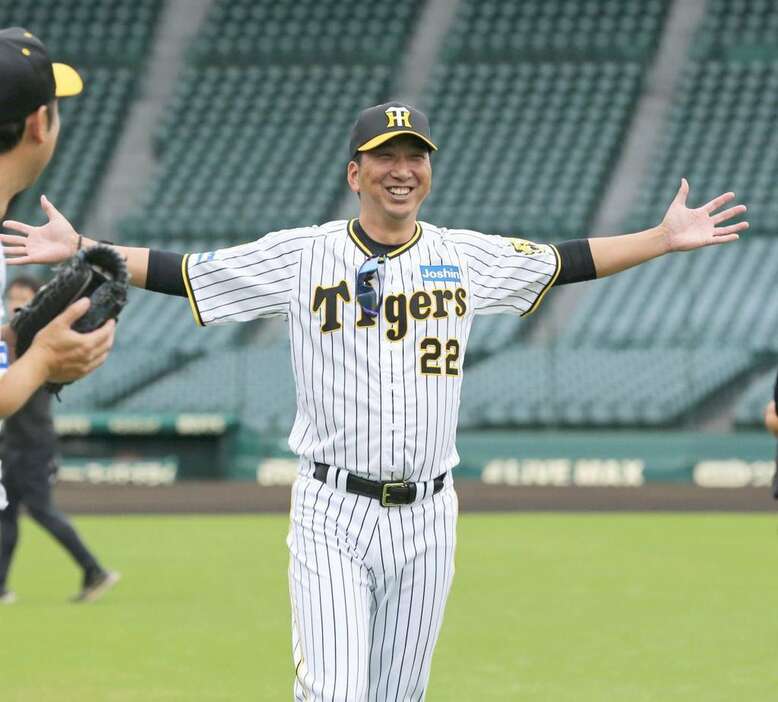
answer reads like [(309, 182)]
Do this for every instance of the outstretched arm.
[(57, 241), (682, 229)]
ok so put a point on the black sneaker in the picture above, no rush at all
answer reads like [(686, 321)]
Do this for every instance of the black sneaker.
[(7, 596), (96, 585)]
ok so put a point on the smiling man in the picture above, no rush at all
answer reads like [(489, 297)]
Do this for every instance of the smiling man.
[(379, 310)]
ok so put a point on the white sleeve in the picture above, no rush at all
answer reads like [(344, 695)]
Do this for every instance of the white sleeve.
[(244, 282), (506, 274)]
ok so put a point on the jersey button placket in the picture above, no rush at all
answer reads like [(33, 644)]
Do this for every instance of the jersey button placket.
[(390, 368)]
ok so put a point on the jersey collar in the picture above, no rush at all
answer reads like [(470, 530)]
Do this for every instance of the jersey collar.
[(372, 248)]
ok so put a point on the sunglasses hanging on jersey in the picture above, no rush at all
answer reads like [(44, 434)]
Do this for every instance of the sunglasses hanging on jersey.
[(370, 278)]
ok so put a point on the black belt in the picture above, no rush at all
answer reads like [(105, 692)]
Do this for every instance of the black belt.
[(388, 493)]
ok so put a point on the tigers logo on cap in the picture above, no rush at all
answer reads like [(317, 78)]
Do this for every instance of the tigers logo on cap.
[(378, 124), (398, 117)]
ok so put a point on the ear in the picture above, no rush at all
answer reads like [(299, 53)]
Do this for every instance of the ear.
[(38, 124), (352, 176)]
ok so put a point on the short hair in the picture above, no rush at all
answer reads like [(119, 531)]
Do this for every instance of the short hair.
[(10, 135), (11, 132), (24, 281)]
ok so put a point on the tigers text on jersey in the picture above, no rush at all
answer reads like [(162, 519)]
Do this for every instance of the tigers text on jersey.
[(378, 396)]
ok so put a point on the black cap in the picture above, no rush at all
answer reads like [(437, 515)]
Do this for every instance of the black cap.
[(379, 123), (28, 78)]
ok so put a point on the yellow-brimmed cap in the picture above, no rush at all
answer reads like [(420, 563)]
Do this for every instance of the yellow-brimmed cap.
[(380, 123), (28, 78), (66, 80)]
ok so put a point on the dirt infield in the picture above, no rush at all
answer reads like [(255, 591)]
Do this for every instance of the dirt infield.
[(239, 497)]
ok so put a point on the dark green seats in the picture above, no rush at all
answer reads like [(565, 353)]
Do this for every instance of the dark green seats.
[(254, 381), (88, 32), (555, 30), (526, 148), (738, 30), (245, 151), (256, 32), (594, 387), (91, 125), (107, 41), (750, 408), (721, 134), (718, 296)]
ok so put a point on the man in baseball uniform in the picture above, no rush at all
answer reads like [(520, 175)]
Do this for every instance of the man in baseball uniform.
[(30, 85), (379, 310)]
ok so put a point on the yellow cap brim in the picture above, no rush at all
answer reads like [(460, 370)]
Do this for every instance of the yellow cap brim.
[(67, 80), (382, 138)]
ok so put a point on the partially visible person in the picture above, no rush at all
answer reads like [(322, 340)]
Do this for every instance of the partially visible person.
[(28, 451), (771, 422), (30, 85)]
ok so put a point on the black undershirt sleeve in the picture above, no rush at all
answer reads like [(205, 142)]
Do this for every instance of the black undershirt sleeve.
[(164, 273), (576, 262)]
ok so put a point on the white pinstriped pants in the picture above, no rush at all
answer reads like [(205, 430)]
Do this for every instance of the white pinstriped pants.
[(368, 586)]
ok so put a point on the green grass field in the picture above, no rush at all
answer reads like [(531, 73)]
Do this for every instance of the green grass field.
[(544, 607)]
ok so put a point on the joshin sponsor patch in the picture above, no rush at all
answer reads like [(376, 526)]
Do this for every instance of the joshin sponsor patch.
[(440, 274)]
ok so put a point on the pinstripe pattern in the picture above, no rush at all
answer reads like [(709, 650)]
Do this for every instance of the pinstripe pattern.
[(368, 588), (368, 584), (362, 402)]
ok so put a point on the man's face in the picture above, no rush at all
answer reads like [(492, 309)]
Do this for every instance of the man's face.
[(393, 178), (17, 296)]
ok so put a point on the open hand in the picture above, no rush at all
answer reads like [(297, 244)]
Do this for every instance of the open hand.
[(53, 242), (686, 229)]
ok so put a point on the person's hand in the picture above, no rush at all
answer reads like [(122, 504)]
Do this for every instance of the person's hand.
[(52, 242), (686, 229), (771, 418), (67, 354)]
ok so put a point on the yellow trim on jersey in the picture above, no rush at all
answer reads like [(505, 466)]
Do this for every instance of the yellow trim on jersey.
[(189, 293), (363, 247), (407, 244), (356, 239), (543, 292)]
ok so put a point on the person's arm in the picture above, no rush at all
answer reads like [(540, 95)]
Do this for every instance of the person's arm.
[(21, 380), (57, 241), (771, 418), (682, 229), (57, 354)]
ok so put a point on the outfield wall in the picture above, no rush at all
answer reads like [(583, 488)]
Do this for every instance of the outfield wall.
[(160, 449)]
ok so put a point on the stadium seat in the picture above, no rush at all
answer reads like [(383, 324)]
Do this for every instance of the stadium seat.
[(716, 296), (594, 387), (290, 171), (564, 30), (257, 32), (750, 409), (523, 147), (720, 135), (107, 41)]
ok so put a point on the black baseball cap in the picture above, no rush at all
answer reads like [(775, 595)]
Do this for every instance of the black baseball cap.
[(28, 78), (380, 123)]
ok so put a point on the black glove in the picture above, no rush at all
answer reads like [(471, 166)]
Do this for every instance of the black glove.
[(98, 273)]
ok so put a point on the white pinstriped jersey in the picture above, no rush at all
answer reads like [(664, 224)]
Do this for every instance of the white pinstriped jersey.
[(378, 397)]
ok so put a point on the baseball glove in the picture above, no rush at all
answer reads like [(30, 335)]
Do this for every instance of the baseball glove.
[(98, 273)]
